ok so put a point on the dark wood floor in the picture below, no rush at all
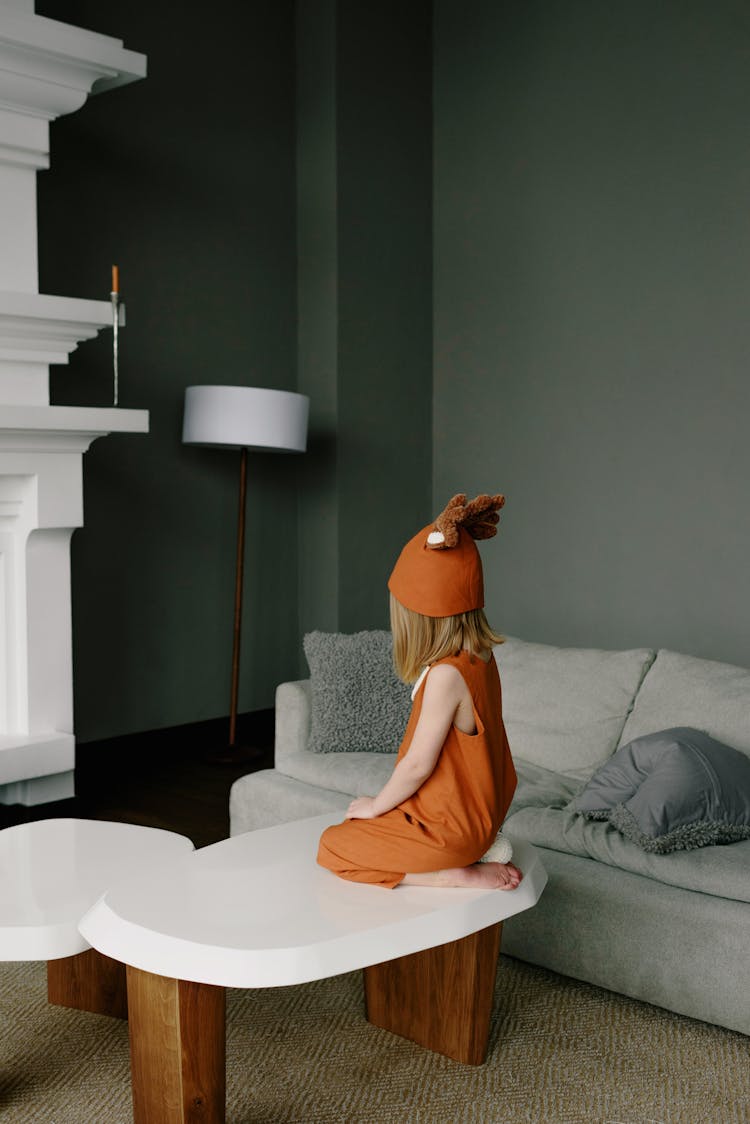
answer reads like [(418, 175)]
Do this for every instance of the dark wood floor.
[(166, 778)]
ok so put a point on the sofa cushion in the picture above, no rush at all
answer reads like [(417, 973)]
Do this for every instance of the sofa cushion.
[(541, 788), (358, 703), (678, 789), (565, 708), (683, 690), (364, 774), (721, 870), (354, 774)]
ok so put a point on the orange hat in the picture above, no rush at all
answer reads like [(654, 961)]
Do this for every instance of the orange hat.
[(439, 571)]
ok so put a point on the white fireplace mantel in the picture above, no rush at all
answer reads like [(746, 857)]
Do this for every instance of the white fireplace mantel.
[(37, 330), (41, 503), (46, 69), (51, 429)]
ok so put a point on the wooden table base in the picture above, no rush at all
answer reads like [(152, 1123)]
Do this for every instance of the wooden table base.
[(89, 981), (440, 998), (177, 1050)]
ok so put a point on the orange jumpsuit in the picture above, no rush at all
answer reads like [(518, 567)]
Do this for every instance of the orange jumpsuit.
[(453, 818)]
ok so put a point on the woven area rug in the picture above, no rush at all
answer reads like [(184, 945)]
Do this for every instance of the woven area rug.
[(560, 1052)]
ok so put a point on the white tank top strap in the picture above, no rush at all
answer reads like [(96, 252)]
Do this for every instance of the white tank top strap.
[(419, 682)]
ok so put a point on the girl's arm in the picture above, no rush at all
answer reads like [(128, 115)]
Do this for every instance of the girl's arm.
[(444, 689)]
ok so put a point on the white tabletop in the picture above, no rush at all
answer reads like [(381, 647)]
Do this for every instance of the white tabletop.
[(257, 911), (52, 871)]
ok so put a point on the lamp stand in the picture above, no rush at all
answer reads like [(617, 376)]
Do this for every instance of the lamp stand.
[(234, 754), (238, 580)]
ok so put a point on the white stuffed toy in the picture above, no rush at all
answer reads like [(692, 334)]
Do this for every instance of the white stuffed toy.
[(501, 850)]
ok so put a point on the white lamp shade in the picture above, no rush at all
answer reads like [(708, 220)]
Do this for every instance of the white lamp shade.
[(248, 416)]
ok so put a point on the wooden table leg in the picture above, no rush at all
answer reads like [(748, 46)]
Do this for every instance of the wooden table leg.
[(89, 981), (177, 1050), (440, 998)]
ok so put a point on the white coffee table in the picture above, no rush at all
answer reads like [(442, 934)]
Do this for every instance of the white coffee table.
[(51, 873), (256, 911)]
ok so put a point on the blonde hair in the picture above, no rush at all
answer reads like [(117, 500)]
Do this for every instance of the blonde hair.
[(420, 640)]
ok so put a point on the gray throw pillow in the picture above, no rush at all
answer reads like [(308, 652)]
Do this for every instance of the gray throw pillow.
[(358, 703), (672, 791)]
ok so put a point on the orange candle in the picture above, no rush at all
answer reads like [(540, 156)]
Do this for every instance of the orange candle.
[(115, 279)]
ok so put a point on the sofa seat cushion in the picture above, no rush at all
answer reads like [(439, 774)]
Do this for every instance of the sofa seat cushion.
[(357, 774), (683, 690), (722, 870), (364, 774), (565, 708), (541, 788)]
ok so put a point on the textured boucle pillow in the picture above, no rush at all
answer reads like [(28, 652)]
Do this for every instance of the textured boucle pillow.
[(672, 791), (358, 703)]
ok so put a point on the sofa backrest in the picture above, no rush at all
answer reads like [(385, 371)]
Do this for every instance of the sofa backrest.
[(569, 709), (565, 708), (682, 690)]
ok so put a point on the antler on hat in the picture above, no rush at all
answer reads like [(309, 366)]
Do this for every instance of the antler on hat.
[(479, 517), (439, 571)]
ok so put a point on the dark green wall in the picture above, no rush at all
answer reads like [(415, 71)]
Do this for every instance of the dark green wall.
[(365, 298), (186, 180), (269, 192), (317, 305), (592, 271)]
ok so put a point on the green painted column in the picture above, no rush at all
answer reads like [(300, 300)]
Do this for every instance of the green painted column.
[(365, 298)]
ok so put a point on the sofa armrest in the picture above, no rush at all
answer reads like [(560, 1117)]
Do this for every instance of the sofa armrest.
[(293, 715)]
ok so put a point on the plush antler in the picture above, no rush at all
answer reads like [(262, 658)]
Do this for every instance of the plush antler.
[(479, 517)]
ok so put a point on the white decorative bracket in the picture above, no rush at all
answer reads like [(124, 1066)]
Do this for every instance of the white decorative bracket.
[(46, 69)]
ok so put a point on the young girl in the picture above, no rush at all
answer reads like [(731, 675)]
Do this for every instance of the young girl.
[(454, 779)]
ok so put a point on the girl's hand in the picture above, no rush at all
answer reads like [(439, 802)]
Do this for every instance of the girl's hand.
[(363, 808)]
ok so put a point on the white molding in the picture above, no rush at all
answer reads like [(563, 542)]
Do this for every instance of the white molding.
[(48, 68), (54, 753), (25, 140), (47, 429), (23, 156), (35, 328), (39, 790)]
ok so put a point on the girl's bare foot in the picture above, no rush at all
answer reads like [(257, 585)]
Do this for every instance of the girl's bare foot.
[(479, 876)]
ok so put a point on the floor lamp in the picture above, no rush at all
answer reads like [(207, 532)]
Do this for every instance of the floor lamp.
[(243, 417)]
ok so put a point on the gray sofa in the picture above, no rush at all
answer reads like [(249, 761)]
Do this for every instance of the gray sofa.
[(671, 929)]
